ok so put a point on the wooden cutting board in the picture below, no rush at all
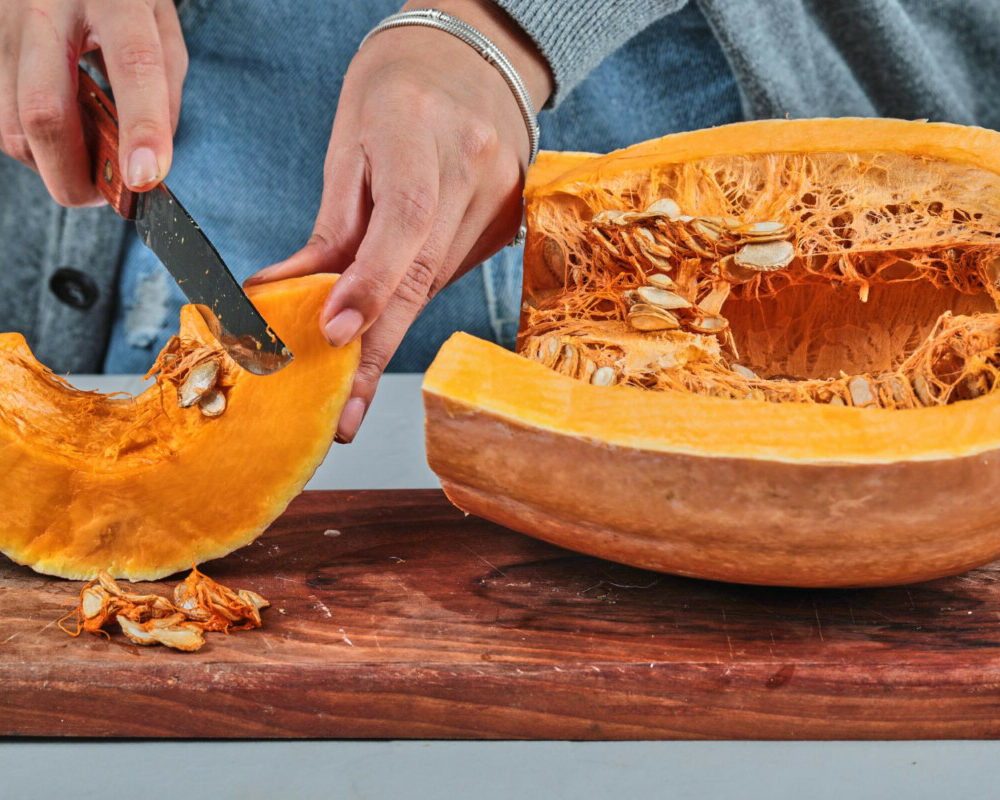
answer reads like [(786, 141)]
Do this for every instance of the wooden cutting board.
[(396, 616)]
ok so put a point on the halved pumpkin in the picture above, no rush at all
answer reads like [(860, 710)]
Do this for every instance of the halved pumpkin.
[(142, 488), (765, 353)]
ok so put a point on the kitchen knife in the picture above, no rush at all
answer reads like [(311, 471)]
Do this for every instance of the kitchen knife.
[(168, 230)]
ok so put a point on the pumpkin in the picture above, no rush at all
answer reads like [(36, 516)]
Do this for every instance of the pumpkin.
[(764, 353), (142, 487)]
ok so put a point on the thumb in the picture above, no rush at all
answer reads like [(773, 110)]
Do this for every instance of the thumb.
[(314, 257)]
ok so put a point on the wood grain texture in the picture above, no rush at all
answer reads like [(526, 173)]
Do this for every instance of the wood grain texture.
[(408, 619), (100, 121)]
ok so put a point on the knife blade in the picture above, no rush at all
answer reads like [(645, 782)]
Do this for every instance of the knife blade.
[(169, 231)]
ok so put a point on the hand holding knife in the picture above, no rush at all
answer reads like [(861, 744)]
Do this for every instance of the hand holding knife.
[(168, 230)]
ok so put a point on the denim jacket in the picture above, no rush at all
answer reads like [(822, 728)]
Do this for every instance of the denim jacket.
[(261, 93)]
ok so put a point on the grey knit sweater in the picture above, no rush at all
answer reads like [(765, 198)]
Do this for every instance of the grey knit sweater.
[(938, 59)]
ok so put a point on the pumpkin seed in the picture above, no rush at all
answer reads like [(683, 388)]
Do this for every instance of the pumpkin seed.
[(744, 372), (570, 361), (608, 215), (587, 370), (733, 272), (554, 256), (640, 307), (991, 269), (548, 351), (707, 323), (837, 400), (651, 246), (898, 389), (664, 207), (661, 281), (862, 393), (92, 601), (922, 390), (697, 247), (608, 245), (109, 584), (650, 318), (213, 403), (662, 297), (603, 376), (170, 632), (703, 227), (199, 382), (662, 264), (658, 254), (764, 231), (765, 256)]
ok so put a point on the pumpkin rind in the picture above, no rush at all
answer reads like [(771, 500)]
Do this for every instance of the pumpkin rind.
[(740, 490), (142, 488), (643, 477)]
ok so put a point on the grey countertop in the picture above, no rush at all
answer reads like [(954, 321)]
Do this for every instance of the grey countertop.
[(389, 454)]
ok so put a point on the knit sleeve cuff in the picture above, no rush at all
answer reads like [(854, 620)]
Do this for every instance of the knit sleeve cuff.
[(574, 36)]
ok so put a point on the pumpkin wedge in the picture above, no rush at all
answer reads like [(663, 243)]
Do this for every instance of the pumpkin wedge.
[(142, 487), (766, 353)]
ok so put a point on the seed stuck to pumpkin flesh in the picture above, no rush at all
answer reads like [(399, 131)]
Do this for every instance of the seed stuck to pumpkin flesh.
[(644, 317), (662, 298), (604, 376), (199, 382), (765, 256), (212, 403)]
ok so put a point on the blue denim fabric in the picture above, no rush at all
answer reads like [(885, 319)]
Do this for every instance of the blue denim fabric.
[(258, 107)]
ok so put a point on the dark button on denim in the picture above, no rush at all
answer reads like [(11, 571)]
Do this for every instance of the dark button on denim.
[(74, 288)]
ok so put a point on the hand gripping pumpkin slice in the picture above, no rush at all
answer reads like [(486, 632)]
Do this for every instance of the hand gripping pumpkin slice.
[(848, 434), (142, 488)]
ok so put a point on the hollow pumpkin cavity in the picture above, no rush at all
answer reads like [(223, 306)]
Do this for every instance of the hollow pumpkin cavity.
[(765, 352), (190, 469), (861, 278)]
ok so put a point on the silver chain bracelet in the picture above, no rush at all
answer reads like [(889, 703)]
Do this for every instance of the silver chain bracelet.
[(439, 20)]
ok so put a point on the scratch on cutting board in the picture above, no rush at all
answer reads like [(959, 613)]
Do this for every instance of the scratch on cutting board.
[(729, 639), (493, 567), (13, 635), (343, 633), (44, 627), (819, 625)]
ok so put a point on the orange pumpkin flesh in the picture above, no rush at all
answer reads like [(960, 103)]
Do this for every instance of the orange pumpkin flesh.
[(778, 486), (142, 488)]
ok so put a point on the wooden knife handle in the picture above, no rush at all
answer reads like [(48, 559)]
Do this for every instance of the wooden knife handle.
[(100, 127)]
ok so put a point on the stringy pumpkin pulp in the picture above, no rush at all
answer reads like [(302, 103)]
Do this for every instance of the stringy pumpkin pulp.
[(864, 278)]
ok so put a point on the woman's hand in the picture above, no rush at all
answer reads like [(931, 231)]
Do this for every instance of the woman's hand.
[(422, 181), (41, 43)]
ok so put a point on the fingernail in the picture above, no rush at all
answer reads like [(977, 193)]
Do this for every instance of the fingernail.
[(142, 168), (343, 327), (350, 420), (259, 277)]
